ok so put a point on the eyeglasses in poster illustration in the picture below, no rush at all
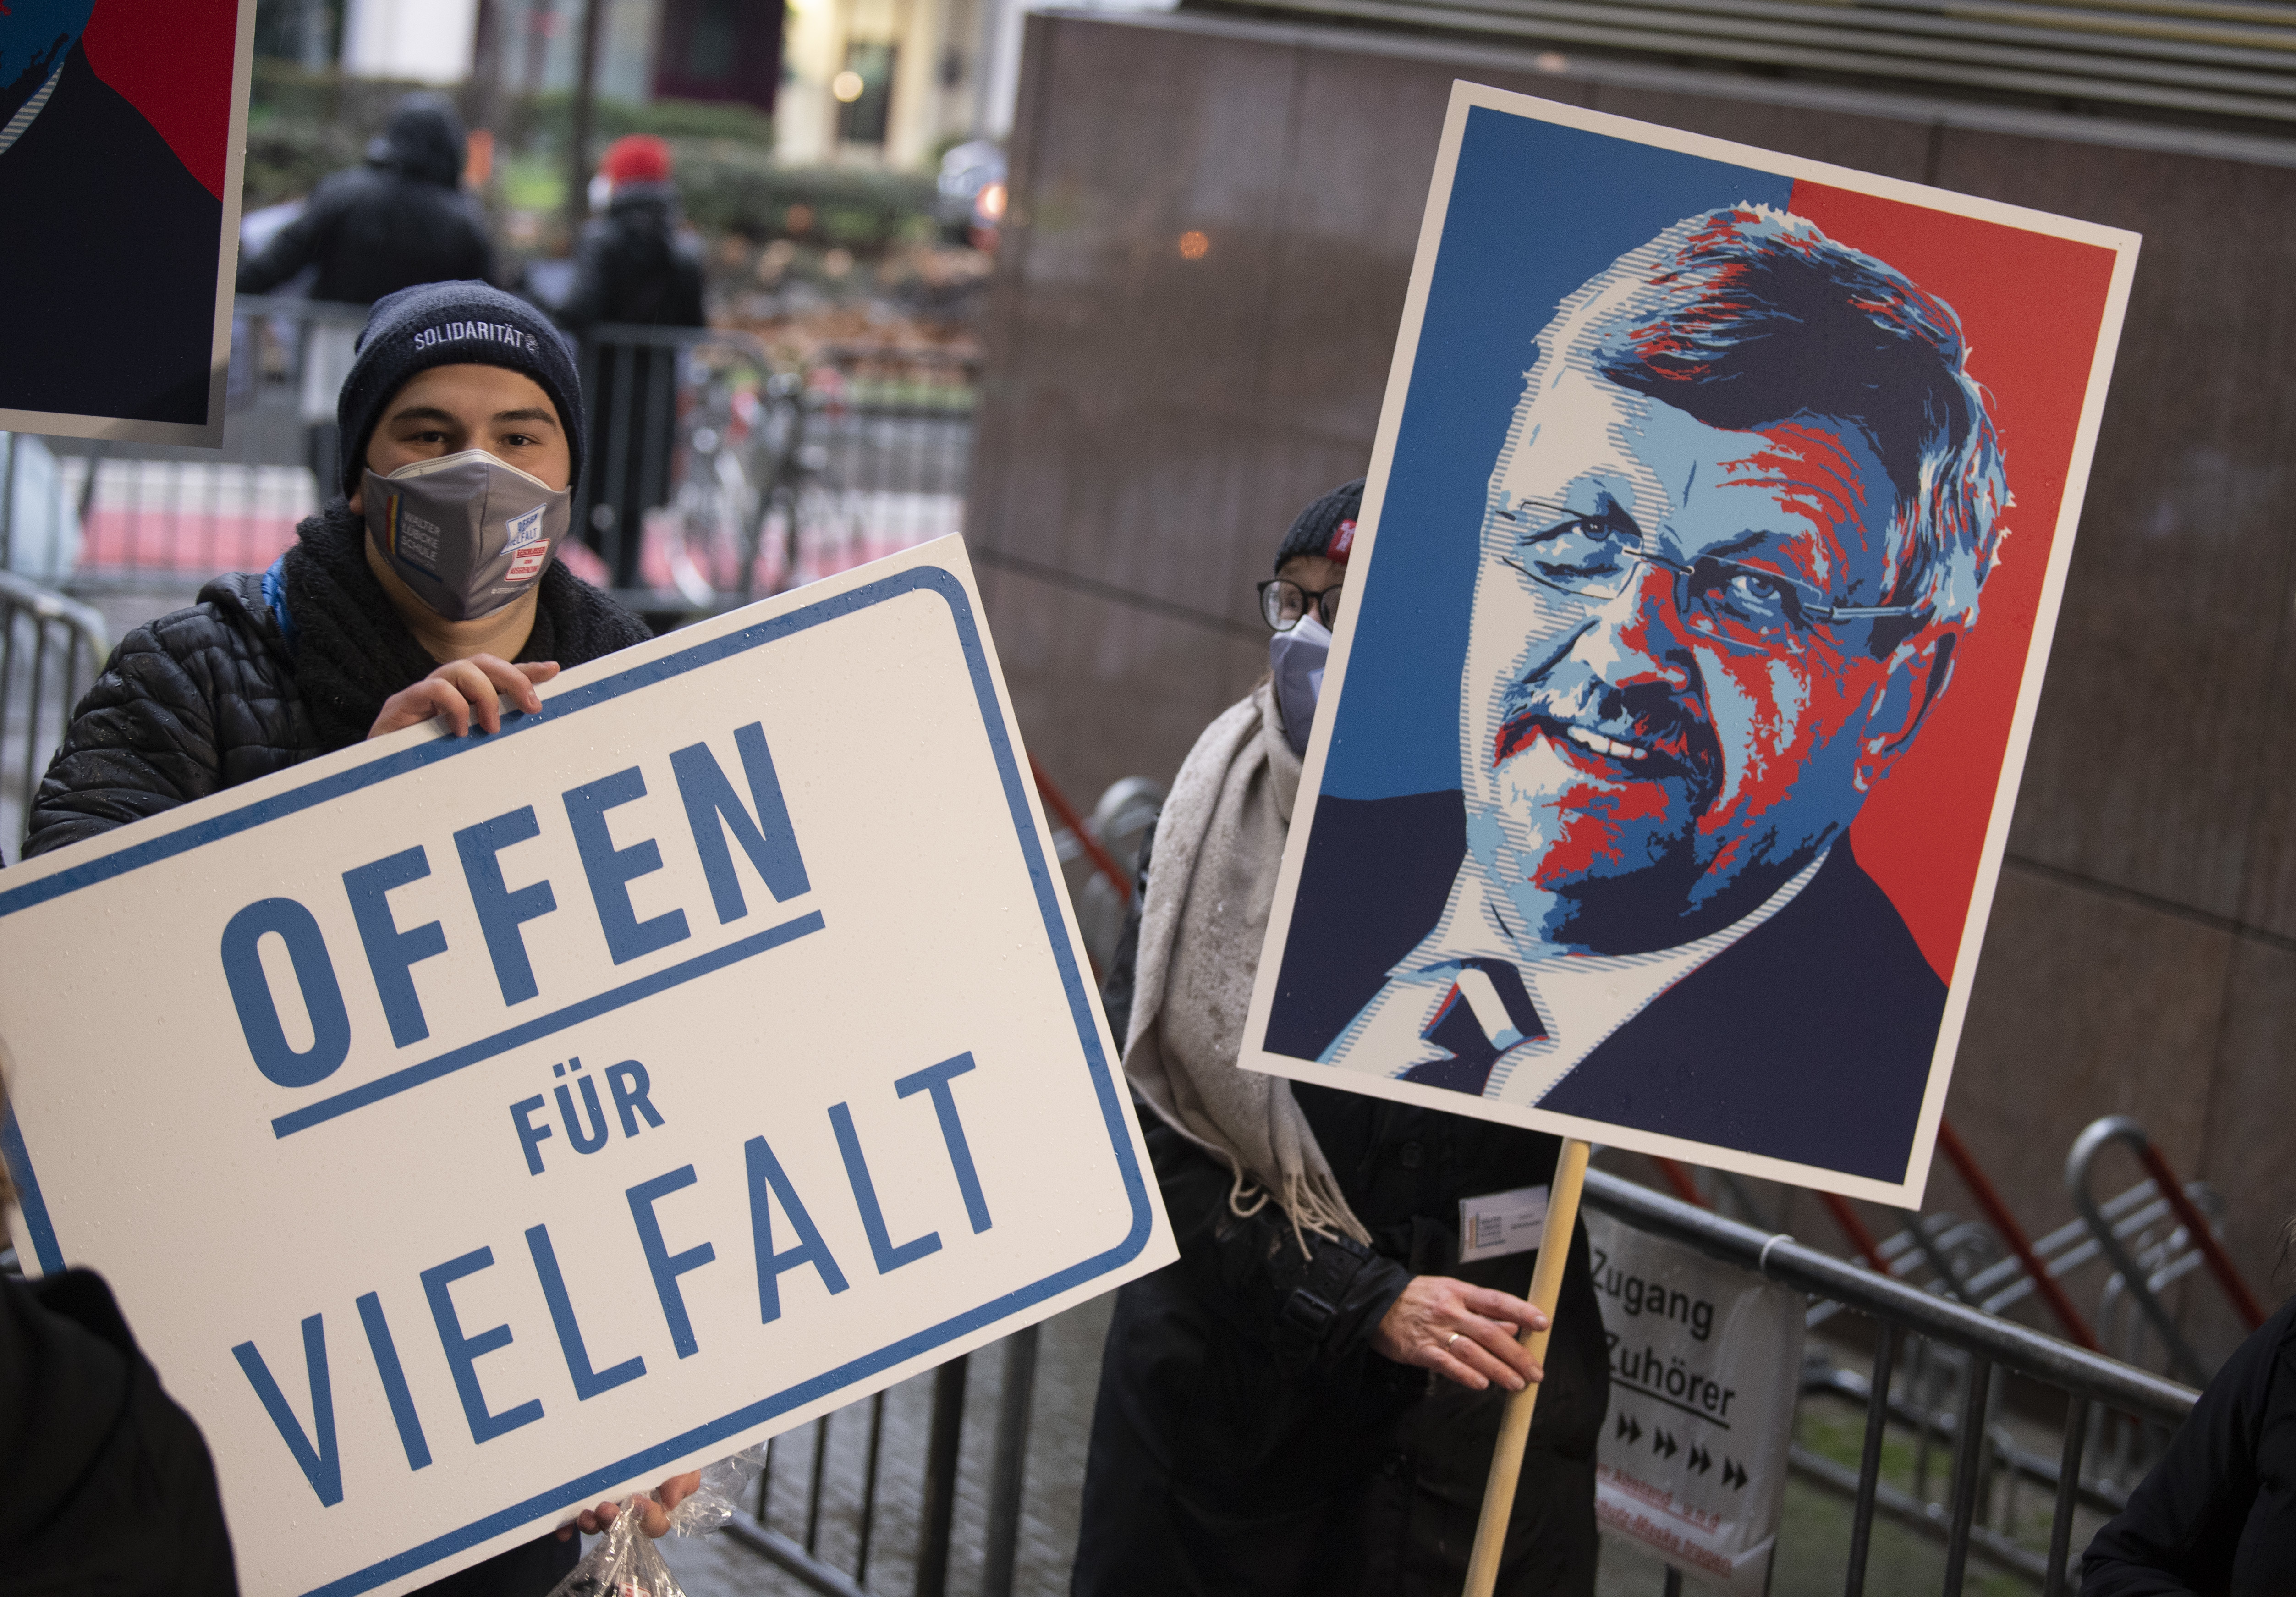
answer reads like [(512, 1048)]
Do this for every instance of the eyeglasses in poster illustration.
[(123, 128), (1720, 513)]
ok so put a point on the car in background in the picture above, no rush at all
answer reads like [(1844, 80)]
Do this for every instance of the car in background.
[(973, 193)]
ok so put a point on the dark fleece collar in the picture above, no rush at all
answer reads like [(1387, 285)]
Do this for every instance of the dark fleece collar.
[(352, 652)]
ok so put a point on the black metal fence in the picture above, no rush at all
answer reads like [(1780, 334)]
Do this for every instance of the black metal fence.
[(51, 649), (1953, 1353)]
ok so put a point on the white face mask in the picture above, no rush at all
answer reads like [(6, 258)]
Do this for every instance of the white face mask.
[(1297, 658), (470, 533)]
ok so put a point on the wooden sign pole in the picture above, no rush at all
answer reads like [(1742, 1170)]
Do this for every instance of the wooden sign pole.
[(1514, 1424)]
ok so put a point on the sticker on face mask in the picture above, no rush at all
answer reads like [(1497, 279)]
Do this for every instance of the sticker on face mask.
[(529, 548), (413, 538)]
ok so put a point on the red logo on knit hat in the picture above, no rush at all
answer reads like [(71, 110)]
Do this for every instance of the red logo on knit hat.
[(1343, 538)]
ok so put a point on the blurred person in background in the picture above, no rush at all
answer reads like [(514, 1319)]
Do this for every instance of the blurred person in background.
[(633, 267), (1308, 1401), (401, 218), (2217, 1516)]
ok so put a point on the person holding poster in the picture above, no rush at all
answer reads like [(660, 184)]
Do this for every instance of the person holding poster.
[(427, 589), (1734, 537), (1308, 1401)]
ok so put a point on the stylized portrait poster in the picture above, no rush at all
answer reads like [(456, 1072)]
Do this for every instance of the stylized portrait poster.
[(123, 129), (1709, 556)]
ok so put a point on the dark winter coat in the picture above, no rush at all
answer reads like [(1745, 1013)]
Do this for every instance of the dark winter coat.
[(210, 697), (632, 266), (1249, 1441), (2217, 1517), (105, 1484), (400, 219)]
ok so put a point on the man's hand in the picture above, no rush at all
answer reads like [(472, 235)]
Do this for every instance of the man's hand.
[(460, 687), (654, 1516), (1463, 1333)]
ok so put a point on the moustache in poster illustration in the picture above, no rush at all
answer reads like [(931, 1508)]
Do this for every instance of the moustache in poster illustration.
[(1717, 521)]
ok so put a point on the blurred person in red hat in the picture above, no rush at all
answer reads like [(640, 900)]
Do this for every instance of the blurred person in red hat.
[(635, 265)]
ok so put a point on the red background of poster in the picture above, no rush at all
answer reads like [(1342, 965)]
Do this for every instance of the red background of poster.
[(171, 60), (2031, 306)]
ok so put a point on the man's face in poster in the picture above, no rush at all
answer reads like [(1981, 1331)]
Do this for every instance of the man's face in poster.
[(1672, 700)]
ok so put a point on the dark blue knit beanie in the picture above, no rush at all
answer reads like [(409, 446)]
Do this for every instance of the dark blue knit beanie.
[(453, 324)]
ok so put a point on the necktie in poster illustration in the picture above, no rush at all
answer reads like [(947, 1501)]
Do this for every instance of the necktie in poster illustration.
[(122, 135)]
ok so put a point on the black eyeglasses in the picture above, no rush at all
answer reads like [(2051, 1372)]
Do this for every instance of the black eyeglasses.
[(1282, 603)]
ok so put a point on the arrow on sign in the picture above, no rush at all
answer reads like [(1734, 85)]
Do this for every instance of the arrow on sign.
[(1629, 1428), (1664, 1445), (1700, 1460), (1733, 1474)]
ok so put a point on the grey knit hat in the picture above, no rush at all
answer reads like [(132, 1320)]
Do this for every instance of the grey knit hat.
[(1326, 527)]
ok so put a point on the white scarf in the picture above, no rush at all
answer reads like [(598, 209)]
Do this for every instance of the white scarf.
[(1211, 879)]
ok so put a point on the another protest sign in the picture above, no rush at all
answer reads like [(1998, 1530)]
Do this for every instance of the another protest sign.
[(475, 1128), (1694, 627), (123, 131), (1705, 1367)]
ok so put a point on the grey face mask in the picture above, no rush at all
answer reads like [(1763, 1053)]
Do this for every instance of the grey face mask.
[(1296, 658), (468, 534)]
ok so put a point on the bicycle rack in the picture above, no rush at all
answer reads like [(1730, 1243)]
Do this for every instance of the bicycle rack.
[(2141, 1285)]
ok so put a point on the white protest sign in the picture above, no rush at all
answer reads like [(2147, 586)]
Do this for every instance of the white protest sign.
[(473, 1128), (1705, 1364)]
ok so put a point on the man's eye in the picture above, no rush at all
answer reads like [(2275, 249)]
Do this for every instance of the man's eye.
[(1755, 595), (1578, 543)]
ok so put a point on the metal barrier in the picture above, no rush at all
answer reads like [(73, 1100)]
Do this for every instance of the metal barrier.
[(873, 1499), (51, 649), (716, 470), (883, 1516), (1982, 1345)]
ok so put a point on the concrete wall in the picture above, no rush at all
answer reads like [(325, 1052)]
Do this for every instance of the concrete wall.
[(1152, 423)]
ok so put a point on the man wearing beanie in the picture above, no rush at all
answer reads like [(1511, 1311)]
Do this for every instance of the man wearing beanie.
[(1308, 1401), (462, 425)]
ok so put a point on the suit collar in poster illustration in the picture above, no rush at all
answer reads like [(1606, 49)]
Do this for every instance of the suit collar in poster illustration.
[(1471, 966)]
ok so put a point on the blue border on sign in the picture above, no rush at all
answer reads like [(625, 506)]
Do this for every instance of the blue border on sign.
[(583, 1488)]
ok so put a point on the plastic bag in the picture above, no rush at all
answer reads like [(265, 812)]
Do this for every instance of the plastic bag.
[(625, 1564), (724, 1484)]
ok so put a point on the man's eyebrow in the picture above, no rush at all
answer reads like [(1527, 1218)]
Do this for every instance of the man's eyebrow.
[(532, 413), (422, 413)]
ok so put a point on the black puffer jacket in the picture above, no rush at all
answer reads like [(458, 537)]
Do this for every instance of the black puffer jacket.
[(400, 219), (210, 697)]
